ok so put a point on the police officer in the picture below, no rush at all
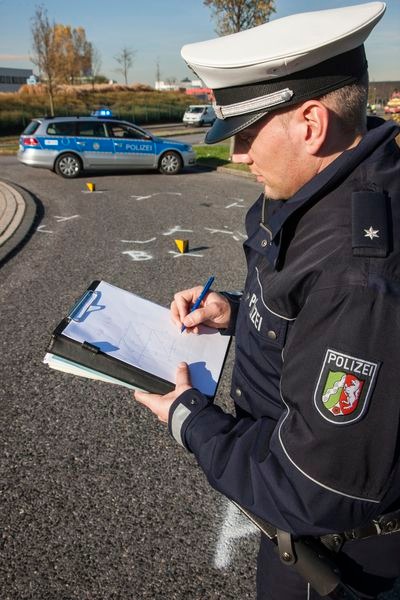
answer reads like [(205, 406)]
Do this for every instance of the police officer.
[(314, 445)]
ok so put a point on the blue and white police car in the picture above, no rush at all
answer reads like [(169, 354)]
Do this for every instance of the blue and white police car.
[(71, 145)]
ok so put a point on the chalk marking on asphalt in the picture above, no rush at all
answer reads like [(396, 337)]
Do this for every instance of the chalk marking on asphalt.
[(42, 230), (236, 235), (178, 254), (239, 203), (61, 219), (139, 241), (235, 527), (138, 255), (176, 229), (140, 198)]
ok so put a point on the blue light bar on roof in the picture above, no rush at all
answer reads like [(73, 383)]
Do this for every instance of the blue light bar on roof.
[(102, 112)]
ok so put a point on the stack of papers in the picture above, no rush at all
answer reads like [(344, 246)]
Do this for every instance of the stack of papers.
[(110, 328)]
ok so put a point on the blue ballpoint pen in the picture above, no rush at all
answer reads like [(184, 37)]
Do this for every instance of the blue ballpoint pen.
[(200, 298)]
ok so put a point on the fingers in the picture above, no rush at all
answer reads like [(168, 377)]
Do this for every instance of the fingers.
[(160, 405), (201, 315), (183, 376), (146, 398), (216, 313), (183, 302)]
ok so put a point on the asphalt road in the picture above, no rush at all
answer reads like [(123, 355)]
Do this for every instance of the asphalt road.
[(96, 500)]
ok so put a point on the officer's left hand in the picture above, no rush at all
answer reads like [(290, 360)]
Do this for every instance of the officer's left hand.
[(160, 405)]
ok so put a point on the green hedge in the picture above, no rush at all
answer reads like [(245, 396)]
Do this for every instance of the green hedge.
[(16, 110)]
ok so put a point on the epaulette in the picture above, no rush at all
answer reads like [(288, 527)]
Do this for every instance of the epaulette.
[(370, 224)]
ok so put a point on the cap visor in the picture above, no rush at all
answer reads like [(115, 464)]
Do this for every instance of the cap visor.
[(226, 128)]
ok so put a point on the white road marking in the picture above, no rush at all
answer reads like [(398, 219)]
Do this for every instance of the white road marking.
[(236, 235), (178, 254), (42, 230), (239, 203), (140, 198), (60, 219), (138, 255), (139, 241), (177, 229), (235, 526)]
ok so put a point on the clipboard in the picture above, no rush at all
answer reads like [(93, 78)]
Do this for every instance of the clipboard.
[(114, 360)]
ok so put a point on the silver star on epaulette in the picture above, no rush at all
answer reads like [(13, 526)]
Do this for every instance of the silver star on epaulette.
[(371, 233)]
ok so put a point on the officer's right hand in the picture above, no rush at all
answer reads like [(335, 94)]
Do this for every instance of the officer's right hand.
[(214, 311)]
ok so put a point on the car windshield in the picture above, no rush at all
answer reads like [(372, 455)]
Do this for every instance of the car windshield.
[(196, 109)]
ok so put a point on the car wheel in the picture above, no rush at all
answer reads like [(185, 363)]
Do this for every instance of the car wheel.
[(68, 165), (170, 163)]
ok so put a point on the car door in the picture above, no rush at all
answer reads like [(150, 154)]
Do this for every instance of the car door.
[(94, 144), (132, 147)]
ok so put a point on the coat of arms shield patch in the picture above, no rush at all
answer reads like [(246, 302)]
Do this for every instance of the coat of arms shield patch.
[(344, 387)]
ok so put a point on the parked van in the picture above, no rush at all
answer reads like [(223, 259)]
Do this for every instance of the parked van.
[(199, 115)]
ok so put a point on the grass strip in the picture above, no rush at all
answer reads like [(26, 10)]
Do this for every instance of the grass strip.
[(216, 156)]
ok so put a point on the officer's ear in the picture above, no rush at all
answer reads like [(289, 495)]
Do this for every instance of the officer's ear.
[(312, 121)]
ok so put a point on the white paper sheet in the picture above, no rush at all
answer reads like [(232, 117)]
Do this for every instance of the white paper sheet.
[(141, 333), (68, 366)]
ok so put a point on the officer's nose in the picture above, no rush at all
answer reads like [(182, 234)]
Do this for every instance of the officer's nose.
[(240, 150)]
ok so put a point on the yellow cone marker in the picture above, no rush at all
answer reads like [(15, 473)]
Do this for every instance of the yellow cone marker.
[(182, 245), (91, 187)]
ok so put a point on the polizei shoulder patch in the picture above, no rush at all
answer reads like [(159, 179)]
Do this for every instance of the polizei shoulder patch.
[(344, 387)]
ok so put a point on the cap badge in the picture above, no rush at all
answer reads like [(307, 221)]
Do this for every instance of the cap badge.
[(371, 233), (344, 387), (248, 106)]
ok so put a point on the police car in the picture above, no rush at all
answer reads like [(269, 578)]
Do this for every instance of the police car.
[(71, 145)]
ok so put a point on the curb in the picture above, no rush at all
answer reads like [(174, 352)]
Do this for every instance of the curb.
[(17, 214), (237, 172)]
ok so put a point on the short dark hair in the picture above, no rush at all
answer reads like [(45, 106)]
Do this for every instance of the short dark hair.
[(349, 103)]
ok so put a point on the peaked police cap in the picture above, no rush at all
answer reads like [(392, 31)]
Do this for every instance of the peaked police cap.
[(282, 63)]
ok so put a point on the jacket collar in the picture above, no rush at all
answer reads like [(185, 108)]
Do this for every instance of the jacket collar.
[(265, 236)]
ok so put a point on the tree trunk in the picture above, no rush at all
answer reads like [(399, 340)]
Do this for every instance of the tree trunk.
[(51, 98)]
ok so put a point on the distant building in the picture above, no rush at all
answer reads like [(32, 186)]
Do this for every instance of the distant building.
[(201, 94), (172, 85), (12, 79), (167, 86), (192, 87), (380, 91)]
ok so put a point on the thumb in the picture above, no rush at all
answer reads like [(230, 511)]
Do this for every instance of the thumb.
[(183, 376)]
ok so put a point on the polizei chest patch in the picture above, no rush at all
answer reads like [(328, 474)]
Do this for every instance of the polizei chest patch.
[(344, 387)]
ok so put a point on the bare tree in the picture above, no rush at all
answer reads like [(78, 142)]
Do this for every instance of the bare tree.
[(235, 15), (44, 55), (95, 57), (125, 60), (158, 71)]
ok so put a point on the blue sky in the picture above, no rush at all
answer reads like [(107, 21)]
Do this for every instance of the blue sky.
[(157, 29)]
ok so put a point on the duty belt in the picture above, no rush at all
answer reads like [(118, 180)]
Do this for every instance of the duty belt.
[(382, 525), (314, 558)]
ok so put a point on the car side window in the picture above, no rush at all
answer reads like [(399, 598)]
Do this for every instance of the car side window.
[(119, 130), (66, 128), (91, 129)]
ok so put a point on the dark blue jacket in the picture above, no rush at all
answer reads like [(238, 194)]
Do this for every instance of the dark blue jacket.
[(314, 446)]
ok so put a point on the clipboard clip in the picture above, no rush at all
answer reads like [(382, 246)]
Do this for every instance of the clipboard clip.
[(81, 306)]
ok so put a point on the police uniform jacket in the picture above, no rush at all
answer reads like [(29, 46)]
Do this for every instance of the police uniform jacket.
[(314, 446)]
